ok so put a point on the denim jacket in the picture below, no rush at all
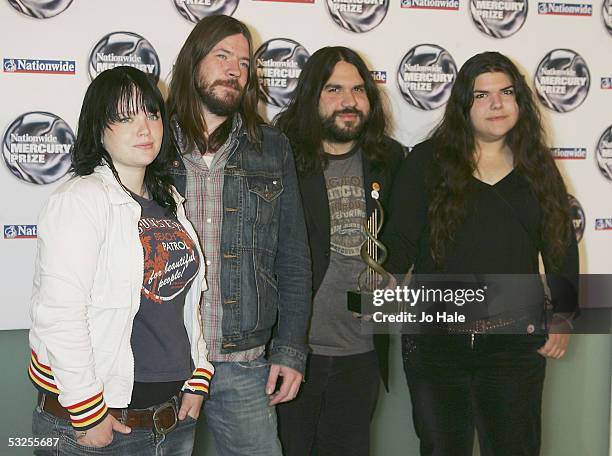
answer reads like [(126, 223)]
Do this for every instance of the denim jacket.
[(265, 273)]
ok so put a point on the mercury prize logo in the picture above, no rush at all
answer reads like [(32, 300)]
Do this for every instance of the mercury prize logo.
[(123, 48), (578, 217), (562, 80), (498, 19), (357, 16), (40, 9), (279, 64), (606, 14), (194, 10), (603, 153), (426, 75), (36, 147)]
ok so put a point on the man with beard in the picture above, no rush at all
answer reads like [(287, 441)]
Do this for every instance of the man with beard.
[(336, 126), (241, 190)]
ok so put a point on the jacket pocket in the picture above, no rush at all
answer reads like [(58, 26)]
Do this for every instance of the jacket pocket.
[(263, 198)]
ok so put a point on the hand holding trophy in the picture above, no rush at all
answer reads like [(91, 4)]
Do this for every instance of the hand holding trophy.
[(373, 253)]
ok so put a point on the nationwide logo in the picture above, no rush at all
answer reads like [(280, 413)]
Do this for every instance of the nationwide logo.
[(569, 153), (39, 66), (448, 5), (565, 9), (20, 231), (380, 77), (606, 83), (603, 224)]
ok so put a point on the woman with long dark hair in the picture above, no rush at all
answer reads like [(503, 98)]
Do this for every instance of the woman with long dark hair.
[(483, 196), (118, 355)]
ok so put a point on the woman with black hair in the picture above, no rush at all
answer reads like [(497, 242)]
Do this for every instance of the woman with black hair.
[(118, 354), (483, 196)]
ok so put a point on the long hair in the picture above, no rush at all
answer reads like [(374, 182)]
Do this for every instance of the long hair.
[(111, 95), (301, 122), (454, 161), (184, 101)]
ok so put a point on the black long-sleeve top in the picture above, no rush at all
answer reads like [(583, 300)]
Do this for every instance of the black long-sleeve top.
[(501, 232)]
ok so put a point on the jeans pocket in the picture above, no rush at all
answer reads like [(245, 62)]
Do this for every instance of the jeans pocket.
[(70, 442)]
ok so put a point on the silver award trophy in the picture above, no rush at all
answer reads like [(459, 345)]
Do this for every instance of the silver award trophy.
[(373, 253)]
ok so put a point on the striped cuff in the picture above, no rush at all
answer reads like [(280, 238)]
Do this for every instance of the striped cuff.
[(41, 376), (85, 414), (88, 413), (198, 383)]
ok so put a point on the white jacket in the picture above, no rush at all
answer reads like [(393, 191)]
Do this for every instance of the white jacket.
[(87, 283)]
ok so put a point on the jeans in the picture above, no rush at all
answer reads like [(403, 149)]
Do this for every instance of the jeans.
[(492, 383), (334, 408), (139, 442), (238, 412)]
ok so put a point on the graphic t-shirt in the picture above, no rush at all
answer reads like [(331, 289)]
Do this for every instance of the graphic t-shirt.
[(334, 331), (159, 340)]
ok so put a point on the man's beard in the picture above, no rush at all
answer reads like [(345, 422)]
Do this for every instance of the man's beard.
[(347, 133), (221, 106)]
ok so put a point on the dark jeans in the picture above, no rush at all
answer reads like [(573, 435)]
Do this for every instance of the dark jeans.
[(495, 386), (334, 407)]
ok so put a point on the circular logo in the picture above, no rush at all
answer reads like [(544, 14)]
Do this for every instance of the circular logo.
[(606, 13), (123, 48), (358, 16), (10, 66), (40, 9), (426, 75), (603, 153), (499, 19), (562, 80), (194, 10), (279, 64), (37, 147), (10, 232), (578, 218)]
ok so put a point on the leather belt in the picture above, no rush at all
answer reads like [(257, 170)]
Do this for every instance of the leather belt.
[(161, 418)]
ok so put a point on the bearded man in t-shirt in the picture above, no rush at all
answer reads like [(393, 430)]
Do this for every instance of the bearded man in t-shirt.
[(336, 126)]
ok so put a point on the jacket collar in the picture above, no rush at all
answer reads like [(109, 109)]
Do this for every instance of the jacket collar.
[(116, 193), (238, 129), (316, 203)]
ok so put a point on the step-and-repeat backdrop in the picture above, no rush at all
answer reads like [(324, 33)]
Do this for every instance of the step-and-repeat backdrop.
[(52, 49)]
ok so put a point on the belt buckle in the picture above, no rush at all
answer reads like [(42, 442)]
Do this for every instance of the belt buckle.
[(156, 419)]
